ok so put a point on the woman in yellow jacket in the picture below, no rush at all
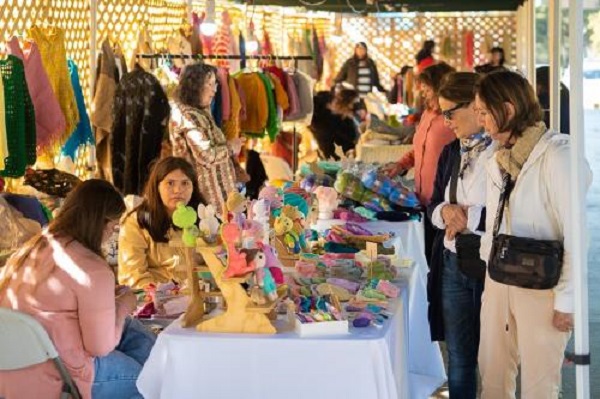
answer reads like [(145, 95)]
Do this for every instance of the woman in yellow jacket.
[(144, 253)]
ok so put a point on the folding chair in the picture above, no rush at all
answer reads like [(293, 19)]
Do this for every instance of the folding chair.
[(24, 342)]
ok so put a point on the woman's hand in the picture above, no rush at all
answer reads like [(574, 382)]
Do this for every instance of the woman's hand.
[(562, 321), (455, 219), (235, 145), (394, 169)]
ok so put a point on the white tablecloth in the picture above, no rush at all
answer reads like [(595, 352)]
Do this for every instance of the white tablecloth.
[(425, 363), (369, 363)]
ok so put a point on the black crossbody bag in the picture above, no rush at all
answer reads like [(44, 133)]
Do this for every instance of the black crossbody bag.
[(520, 261), (467, 245)]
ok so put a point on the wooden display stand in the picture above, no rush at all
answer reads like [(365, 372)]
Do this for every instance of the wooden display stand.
[(195, 311), (241, 315), (286, 258)]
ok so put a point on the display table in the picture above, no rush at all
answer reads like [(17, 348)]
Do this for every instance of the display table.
[(395, 361), (425, 363)]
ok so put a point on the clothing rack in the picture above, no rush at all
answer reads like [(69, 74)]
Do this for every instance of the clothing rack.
[(271, 57), (294, 58)]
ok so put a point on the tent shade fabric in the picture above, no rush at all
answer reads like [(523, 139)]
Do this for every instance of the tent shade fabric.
[(375, 6)]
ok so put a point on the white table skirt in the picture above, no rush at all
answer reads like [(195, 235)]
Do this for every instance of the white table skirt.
[(425, 363), (369, 363)]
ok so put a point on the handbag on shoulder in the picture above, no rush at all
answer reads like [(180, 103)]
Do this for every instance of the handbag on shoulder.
[(521, 261), (467, 245)]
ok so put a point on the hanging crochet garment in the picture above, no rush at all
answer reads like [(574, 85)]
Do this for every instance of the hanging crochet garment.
[(222, 42), (19, 118), (49, 119), (83, 133), (51, 43)]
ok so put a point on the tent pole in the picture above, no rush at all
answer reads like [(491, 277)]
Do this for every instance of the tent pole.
[(93, 45), (553, 51), (530, 5), (579, 237)]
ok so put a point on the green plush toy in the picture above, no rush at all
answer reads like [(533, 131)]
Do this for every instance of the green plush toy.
[(185, 218)]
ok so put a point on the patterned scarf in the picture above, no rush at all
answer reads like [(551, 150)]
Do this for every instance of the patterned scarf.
[(470, 148), (511, 159)]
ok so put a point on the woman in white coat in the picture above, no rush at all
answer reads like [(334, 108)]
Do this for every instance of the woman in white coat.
[(530, 326)]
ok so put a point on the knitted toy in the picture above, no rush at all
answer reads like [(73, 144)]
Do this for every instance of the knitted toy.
[(284, 228), (328, 202), (237, 265), (236, 206), (209, 224), (261, 214), (185, 218), (263, 276)]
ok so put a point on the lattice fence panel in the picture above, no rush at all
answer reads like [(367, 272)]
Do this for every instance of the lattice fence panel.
[(394, 41), (16, 16)]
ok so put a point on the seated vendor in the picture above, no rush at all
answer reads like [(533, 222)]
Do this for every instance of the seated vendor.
[(145, 256)]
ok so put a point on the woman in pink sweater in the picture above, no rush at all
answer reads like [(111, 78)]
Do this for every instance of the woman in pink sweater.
[(61, 279), (430, 138)]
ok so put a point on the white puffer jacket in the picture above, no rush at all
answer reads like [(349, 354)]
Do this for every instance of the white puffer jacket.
[(539, 205)]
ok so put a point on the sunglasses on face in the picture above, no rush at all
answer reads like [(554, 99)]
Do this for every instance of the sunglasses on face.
[(449, 112)]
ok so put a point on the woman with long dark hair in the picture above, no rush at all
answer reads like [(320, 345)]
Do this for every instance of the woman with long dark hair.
[(144, 253), (61, 279)]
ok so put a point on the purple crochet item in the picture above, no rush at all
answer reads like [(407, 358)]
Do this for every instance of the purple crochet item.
[(357, 230), (351, 286), (349, 216)]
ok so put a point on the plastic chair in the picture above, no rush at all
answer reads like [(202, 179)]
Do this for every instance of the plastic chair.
[(24, 342)]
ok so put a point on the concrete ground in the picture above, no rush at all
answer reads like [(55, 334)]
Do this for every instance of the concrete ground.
[(569, 390)]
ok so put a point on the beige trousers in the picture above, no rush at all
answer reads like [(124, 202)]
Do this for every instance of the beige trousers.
[(516, 326)]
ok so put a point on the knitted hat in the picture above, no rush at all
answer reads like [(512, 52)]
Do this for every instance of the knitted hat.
[(234, 200)]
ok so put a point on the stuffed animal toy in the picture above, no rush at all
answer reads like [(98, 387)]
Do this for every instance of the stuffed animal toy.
[(263, 275), (284, 228), (236, 206), (209, 224), (237, 264), (261, 214), (185, 218), (273, 196), (328, 201), (273, 264)]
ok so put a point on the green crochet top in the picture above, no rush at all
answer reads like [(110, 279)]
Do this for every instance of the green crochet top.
[(19, 117)]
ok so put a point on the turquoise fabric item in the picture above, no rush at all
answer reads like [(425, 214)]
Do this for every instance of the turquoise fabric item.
[(339, 248), (83, 131), (296, 200)]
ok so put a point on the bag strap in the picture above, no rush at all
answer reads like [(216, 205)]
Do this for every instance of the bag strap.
[(454, 180), (505, 191)]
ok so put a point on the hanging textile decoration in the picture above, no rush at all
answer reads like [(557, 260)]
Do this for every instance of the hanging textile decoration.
[(51, 43), (231, 126), (195, 36), (207, 41), (49, 119), (141, 113), (19, 118), (272, 122), (468, 52), (223, 41), (447, 50), (102, 106), (216, 106), (257, 111), (242, 51), (83, 133), (317, 54)]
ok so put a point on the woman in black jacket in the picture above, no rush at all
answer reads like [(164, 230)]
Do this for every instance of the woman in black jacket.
[(457, 211), (360, 71), (333, 122)]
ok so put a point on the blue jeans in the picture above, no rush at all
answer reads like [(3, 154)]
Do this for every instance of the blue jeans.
[(117, 372), (461, 299)]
